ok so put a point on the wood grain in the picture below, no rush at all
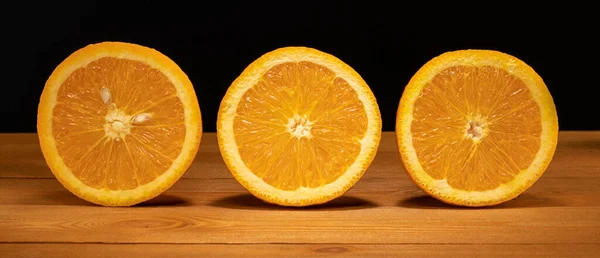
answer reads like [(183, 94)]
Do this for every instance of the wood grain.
[(233, 221), (384, 215), (50, 250)]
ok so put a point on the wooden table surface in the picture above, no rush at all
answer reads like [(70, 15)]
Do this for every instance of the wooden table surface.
[(207, 213)]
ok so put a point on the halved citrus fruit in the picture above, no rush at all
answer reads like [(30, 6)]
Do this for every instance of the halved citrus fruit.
[(118, 123), (476, 127), (298, 127)]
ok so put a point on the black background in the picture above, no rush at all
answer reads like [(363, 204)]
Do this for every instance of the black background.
[(386, 42)]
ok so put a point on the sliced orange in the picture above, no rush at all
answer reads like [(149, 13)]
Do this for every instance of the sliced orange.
[(118, 123), (298, 127), (476, 127)]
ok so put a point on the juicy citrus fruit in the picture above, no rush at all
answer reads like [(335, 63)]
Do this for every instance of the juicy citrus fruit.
[(476, 127), (298, 127), (118, 123)]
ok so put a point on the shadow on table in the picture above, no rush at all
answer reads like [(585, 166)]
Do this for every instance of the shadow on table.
[(67, 198), (523, 201), (57, 198), (249, 202), (164, 200)]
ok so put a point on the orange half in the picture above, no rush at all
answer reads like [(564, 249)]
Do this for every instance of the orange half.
[(476, 127), (118, 123), (298, 127)]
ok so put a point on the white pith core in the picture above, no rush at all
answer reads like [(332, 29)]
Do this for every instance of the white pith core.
[(118, 124), (476, 128), (299, 126)]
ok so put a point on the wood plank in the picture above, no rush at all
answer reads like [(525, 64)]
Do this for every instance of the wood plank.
[(220, 222), (577, 155), (287, 250)]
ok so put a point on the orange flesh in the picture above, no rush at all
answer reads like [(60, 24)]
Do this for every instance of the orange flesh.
[(476, 127), (80, 117), (299, 126)]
